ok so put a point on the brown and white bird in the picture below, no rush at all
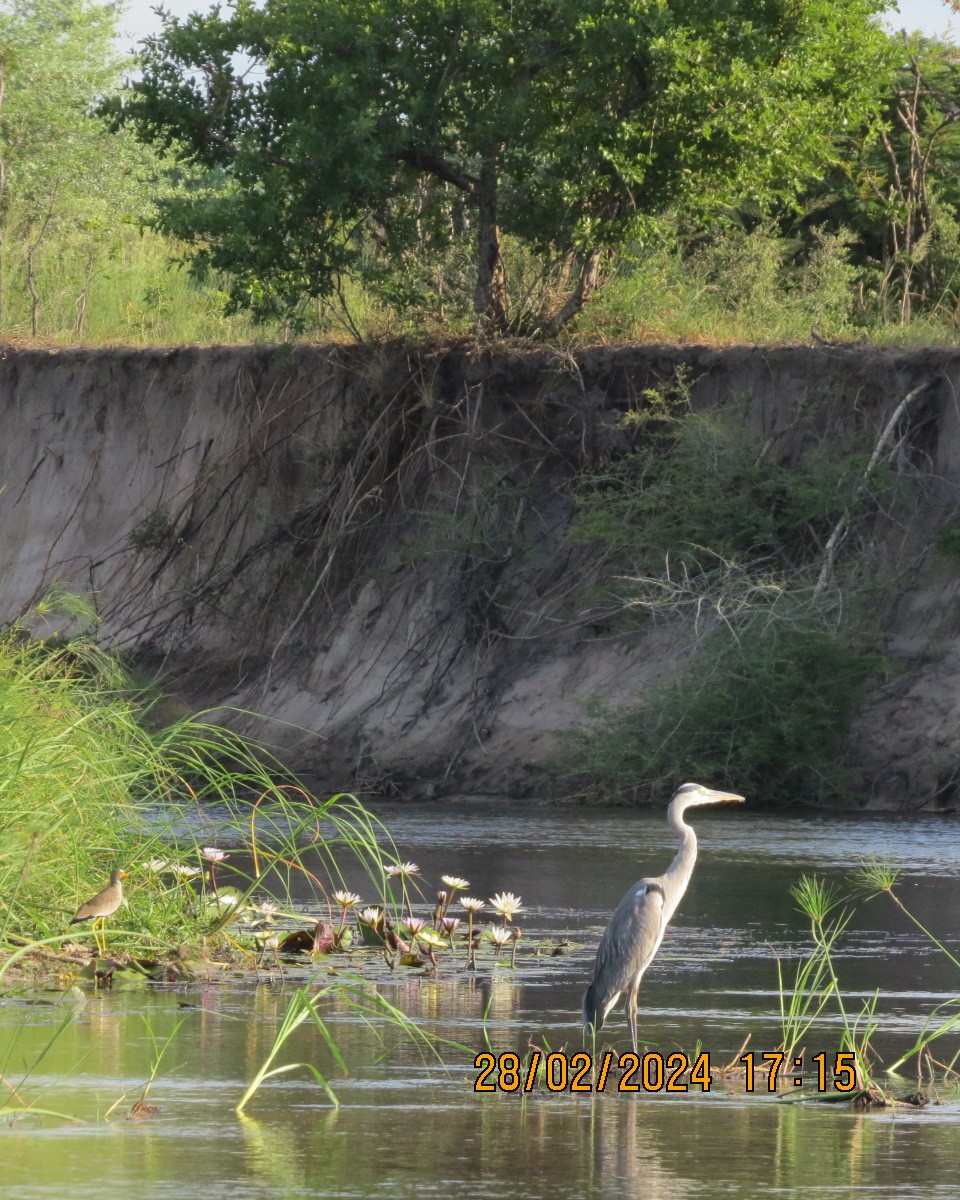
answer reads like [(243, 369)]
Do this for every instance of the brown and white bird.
[(104, 904)]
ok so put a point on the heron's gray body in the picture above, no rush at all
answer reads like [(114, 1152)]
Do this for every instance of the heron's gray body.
[(639, 922), (630, 942)]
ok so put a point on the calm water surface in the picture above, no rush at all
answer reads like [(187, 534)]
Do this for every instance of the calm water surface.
[(408, 1127)]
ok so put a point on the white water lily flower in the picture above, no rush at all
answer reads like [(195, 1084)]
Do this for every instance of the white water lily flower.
[(454, 882), (413, 925), (224, 900), (506, 904), (266, 910), (470, 904), (407, 868), (156, 865), (183, 870), (371, 916), (212, 854), (499, 935), (346, 899), (450, 925)]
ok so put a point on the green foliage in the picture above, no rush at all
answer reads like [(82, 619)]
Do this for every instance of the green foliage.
[(379, 131), (75, 261), (766, 712), (948, 538), (735, 284), (66, 184), (702, 490), (155, 532), (896, 188), (86, 786), (703, 522)]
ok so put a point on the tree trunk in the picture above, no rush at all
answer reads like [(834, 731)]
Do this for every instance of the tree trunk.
[(34, 294), (490, 297), (586, 285)]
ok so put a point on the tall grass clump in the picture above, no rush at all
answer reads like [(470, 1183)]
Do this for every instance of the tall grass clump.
[(86, 786)]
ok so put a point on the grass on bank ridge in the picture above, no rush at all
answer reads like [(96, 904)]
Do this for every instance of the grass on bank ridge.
[(86, 787), (740, 289)]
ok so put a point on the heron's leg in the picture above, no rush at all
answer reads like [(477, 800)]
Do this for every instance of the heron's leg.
[(632, 1014)]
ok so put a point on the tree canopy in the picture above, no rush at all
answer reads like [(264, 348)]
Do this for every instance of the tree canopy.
[(57, 57), (362, 136)]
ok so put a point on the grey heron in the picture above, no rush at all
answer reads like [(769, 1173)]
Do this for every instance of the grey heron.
[(637, 926)]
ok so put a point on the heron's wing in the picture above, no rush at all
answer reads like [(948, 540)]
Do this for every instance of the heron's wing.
[(628, 944)]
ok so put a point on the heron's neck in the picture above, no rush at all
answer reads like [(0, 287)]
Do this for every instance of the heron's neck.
[(677, 875)]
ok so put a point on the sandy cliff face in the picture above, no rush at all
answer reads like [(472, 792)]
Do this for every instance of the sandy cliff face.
[(366, 543)]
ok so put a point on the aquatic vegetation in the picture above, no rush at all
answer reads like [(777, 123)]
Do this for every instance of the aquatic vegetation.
[(500, 935), (472, 906), (506, 905), (816, 989), (213, 856), (305, 1007), (450, 925), (403, 870), (86, 784), (874, 876)]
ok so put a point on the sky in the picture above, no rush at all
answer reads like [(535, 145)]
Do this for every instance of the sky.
[(930, 16)]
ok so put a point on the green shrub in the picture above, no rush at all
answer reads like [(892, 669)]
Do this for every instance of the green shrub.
[(703, 490), (766, 713)]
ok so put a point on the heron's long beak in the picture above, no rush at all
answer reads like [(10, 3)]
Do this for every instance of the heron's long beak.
[(728, 798)]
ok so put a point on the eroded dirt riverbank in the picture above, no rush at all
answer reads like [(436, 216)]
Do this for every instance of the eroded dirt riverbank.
[(367, 543)]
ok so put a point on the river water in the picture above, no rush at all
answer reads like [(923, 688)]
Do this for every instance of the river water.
[(409, 1125)]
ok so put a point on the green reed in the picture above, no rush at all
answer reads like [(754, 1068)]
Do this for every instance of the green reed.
[(815, 988), (16, 1073), (86, 785), (305, 1007), (874, 877)]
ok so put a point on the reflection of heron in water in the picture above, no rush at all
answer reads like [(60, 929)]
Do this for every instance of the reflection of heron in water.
[(637, 926)]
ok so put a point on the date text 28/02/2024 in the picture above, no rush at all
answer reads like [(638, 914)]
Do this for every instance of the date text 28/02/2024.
[(654, 1072)]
